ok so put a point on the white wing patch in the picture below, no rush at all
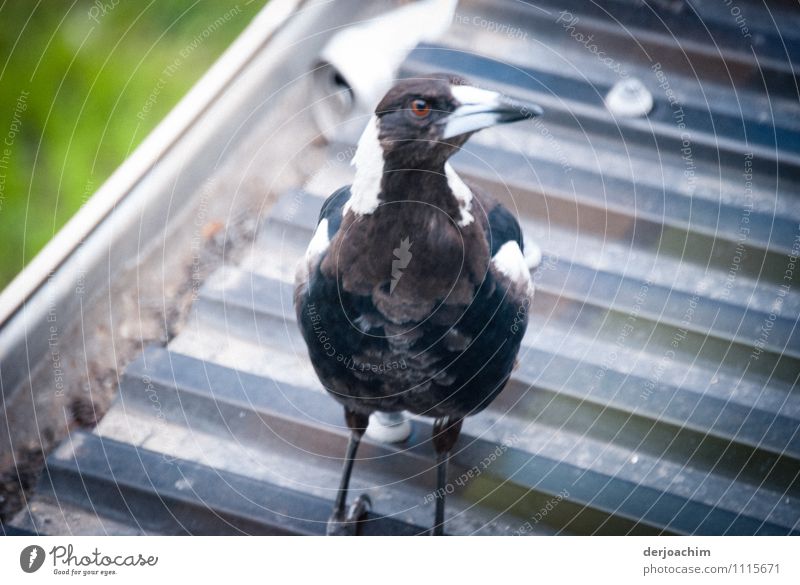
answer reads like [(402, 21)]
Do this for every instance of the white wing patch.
[(462, 194), (319, 243), (510, 262), (368, 161)]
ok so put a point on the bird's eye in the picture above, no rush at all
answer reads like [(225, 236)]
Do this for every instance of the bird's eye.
[(420, 108)]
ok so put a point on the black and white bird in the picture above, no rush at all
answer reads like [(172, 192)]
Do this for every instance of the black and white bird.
[(414, 290)]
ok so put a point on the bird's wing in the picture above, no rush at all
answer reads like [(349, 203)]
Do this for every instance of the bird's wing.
[(503, 227), (328, 223), (332, 209), (504, 237)]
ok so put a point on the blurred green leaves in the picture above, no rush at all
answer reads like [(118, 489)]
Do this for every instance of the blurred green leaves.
[(82, 82)]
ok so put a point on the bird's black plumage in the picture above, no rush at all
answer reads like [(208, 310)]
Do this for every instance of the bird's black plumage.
[(453, 360), (414, 292)]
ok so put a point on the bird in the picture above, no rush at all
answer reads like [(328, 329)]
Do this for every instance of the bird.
[(413, 293)]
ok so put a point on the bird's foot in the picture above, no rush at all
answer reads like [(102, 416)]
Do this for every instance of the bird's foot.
[(340, 524)]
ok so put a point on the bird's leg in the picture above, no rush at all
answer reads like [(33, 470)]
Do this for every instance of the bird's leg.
[(341, 523), (445, 435)]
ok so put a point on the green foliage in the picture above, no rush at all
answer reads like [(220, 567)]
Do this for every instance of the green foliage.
[(82, 82)]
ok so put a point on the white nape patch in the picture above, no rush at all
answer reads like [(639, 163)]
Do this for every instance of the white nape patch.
[(368, 161), (462, 193), (468, 94), (319, 243), (511, 263)]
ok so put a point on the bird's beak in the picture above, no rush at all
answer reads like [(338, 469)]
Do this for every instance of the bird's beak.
[(481, 108)]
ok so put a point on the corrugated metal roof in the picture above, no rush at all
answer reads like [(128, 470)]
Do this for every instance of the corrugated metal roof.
[(657, 389)]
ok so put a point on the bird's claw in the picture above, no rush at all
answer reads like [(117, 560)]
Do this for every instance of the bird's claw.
[(349, 524)]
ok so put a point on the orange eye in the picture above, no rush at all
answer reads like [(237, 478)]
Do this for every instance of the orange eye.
[(420, 107)]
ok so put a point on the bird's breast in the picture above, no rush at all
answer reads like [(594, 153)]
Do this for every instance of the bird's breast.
[(410, 257)]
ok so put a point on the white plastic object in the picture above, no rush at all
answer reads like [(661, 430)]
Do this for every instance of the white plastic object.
[(359, 65), (389, 427), (629, 98)]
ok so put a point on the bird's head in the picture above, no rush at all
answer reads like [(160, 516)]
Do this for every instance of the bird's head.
[(421, 122)]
